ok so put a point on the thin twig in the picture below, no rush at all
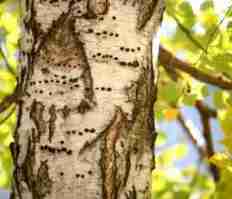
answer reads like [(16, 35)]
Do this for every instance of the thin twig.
[(8, 115), (10, 99), (6, 62), (167, 58), (205, 120), (201, 150)]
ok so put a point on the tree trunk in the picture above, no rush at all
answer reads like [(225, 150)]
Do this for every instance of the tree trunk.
[(85, 119)]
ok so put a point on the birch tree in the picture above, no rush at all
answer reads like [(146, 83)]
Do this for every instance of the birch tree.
[(86, 93)]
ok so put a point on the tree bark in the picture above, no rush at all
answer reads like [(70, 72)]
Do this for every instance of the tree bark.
[(85, 119)]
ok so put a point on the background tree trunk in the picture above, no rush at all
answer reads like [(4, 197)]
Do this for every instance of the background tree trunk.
[(85, 119)]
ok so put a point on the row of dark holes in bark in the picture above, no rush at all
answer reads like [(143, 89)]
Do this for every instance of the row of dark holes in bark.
[(49, 60), (121, 49), (86, 130), (63, 149), (55, 149), (77, 175), (59, 150), (64, 82), (56, 1), (71, 88), (104, 56), (102, 18), (65, 65), (69, 151), (104, 33), (134, 63), (32, 83), (46, 81), (122, 63)]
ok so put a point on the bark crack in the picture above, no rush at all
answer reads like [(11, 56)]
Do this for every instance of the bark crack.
[(52, 122), (36, 115)]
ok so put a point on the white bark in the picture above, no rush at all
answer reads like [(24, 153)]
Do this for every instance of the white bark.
[(86, 124)]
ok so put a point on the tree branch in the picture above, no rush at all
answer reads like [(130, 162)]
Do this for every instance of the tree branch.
[(167, 58), (10, 99), (201, 150), (206, 109), (8, 115), (7, 102), (205, 120), (6, 62)]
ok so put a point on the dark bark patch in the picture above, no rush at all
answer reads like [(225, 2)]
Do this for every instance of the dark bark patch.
[(43, 184), (24, 172), (132, 194), (127, 169), (65, 112), (45, 71), (52, 121), (146, 10), (36, 115), (83, 107)]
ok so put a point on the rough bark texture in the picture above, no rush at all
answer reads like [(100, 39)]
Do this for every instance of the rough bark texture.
[(85, 120)]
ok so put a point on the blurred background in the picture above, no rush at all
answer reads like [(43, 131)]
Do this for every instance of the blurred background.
[(194, 107)]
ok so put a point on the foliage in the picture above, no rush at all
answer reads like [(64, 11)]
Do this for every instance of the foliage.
[(172, 182), (203, 38), (9, 34)]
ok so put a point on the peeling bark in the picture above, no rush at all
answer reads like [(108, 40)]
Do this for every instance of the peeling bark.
[(108, 155), (85, 119)]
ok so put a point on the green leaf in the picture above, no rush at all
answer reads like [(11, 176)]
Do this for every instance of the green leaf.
[(170, 92), (186, 14), (225, 119), (161, 139), (208, 4), (172, 154), (219, 99)]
